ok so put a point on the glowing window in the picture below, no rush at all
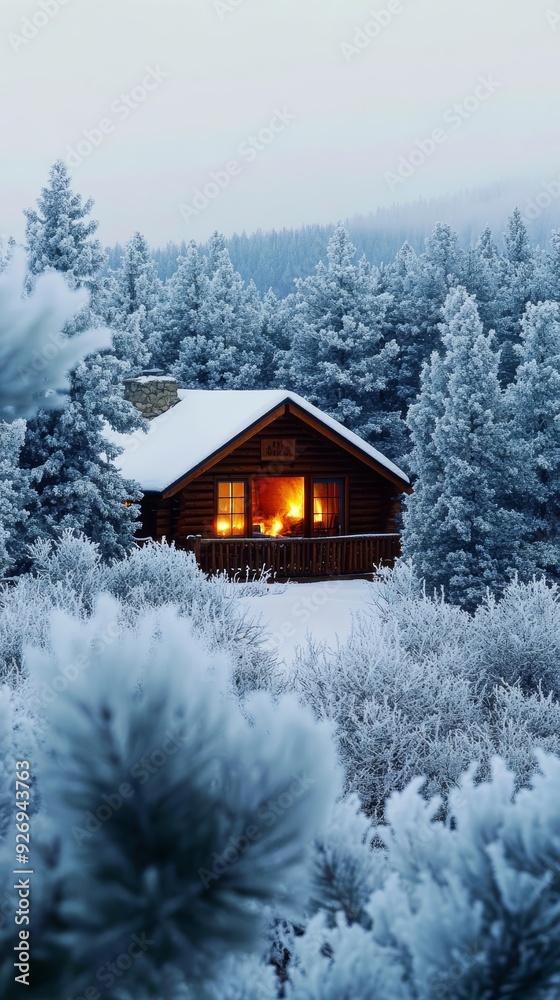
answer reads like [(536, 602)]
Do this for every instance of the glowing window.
[(278, 505), (327, 507), (232, 508)]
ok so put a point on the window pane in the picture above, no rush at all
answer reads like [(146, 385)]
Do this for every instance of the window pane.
[(231, 511), (327, 507)]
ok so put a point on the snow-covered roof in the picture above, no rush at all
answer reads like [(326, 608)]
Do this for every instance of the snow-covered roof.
[(204, 422), (145, 379)]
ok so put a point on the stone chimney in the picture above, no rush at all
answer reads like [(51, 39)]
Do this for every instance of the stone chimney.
[(152, 392)]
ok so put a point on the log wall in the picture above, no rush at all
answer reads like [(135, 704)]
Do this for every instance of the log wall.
[(372, 502)]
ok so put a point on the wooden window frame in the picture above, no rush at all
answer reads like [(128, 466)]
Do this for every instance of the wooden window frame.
[(309, 480), (247, 505), (343, 481)]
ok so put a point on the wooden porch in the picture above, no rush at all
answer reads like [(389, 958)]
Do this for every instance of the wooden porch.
[(294, 558)]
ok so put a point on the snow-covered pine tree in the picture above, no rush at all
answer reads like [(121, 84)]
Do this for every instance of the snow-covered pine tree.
[(419, 285), (534, 403), (60, 236), (339, 359), (228, 351), (552, 268), (399, 279), (277, 338), (75, 482), (179, 318), (438, 269), (480, 275), (460, 528), (134, 285), (15, 495), (7, 250), (129, 345), (517, 281)]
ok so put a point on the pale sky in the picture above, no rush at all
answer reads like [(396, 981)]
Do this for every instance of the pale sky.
[(223, 70)]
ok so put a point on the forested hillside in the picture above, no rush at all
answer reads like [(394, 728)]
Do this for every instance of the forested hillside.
[(274, 259)]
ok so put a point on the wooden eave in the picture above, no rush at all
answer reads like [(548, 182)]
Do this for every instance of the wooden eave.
[(342, 442), (289, 406)]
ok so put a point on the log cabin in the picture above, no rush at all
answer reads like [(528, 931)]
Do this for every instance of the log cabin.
[(260, 479)]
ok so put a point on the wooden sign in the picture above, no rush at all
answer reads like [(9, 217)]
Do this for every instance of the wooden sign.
[(278, 450)]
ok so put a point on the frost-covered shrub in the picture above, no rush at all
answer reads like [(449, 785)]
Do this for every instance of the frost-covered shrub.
[(66, 574), (73, 562), (157, 574), (468, 908), (388, 748), (242, 978), (518, 723), (177, 819), (69, 574), (394, 714), (417, 686), (24, 617), (425, 624), (345, 868), (517, 639), (345, 963)]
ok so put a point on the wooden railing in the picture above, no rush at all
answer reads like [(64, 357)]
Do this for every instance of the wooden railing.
[(290, 558)]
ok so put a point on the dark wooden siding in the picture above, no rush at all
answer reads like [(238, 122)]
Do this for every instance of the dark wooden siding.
[(372, 501)]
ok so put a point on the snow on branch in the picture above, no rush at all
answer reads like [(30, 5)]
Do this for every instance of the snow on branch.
[(35, 357)]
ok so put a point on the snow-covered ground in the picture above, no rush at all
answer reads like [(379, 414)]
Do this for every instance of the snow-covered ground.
[(322, 610)]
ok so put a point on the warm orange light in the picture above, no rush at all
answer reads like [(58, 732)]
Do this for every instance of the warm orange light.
[(318, 515), (231, 526), (279, 505)]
